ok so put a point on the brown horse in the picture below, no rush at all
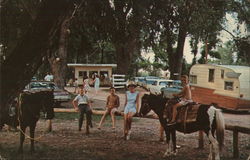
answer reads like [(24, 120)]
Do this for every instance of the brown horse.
[(209, 119), (30, 105)]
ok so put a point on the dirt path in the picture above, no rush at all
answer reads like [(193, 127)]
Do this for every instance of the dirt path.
[(66, 142)]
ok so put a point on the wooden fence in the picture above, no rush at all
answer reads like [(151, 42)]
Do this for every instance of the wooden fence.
[(235, 129)]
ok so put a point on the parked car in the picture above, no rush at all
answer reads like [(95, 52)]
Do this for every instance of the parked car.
[(156, 87), (141, 81), (60, 95), (168, 91), (149, 83)]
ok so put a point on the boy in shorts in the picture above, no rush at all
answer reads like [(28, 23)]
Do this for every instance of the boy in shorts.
[(112, 105), (185, 95)]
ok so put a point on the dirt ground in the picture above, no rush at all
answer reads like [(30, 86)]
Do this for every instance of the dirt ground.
[(66, 142)]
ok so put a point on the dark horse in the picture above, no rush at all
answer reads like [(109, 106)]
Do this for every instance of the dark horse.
[(209, 119), (30, 105)]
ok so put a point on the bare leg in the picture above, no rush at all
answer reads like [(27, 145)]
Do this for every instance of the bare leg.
[(125, 126), (175, 112), (103, 119), (112, 114)]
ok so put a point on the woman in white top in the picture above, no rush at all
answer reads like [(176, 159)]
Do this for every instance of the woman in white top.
[(131, 108)]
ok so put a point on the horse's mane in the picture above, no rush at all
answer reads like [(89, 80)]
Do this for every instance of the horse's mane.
[(157, 101)]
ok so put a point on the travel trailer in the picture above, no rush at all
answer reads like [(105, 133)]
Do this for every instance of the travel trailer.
[(226, 86)]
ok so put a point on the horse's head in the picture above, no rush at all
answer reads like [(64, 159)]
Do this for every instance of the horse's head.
[(145, 105)]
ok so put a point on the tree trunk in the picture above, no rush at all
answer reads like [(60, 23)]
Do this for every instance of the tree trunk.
[(123, 59), (177, 58), (59, 63), (23, 62), (124, 54)]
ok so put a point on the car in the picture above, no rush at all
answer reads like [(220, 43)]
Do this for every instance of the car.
[(168, 91), (140, 81), (156, 87), (60, 95), (149, 83)]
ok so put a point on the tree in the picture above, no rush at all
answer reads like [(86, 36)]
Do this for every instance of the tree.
[(121, 22), (171, 21), (22, 63)]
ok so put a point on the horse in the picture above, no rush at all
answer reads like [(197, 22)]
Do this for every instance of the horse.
[(29, 106), (209, 119)]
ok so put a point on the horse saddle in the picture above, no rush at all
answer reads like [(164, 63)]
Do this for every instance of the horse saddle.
[(187, 113)]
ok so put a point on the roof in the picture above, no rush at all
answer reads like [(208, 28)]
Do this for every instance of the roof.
[(234, 67), (90, 65)]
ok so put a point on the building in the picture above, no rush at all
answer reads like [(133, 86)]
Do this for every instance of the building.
[(83, 70)]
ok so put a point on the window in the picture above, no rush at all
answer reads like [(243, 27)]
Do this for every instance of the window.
[(222, 74), (229, 86), (82, 73), (193, 79), (163, 83), (211, 75)]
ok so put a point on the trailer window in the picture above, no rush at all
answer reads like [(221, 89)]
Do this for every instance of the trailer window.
[(211, 75), (222, 74), (193, 79), (228, 86)]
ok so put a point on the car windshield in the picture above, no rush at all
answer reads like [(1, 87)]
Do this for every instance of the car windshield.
[(164, 83), (150, 82)]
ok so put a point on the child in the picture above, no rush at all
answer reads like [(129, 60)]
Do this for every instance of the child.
[(185, 96), (112, 104), (81, 104)]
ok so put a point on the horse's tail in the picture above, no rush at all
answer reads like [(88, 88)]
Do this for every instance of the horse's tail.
[(220, 128)]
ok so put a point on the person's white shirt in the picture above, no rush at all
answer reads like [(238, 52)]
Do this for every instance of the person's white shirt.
[(48, 77)]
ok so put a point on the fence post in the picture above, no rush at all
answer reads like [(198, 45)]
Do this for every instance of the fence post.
[(201, 142), (235, 144)]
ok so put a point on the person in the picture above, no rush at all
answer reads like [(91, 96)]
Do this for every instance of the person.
[(131, 108), (86, 84), (112, 105), (185, 95), (49, 77), (75, 85), (81, 104), (96, 84)]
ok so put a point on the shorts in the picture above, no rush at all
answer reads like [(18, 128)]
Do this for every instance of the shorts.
[(129, 109), (185, 101), (112, 110)]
